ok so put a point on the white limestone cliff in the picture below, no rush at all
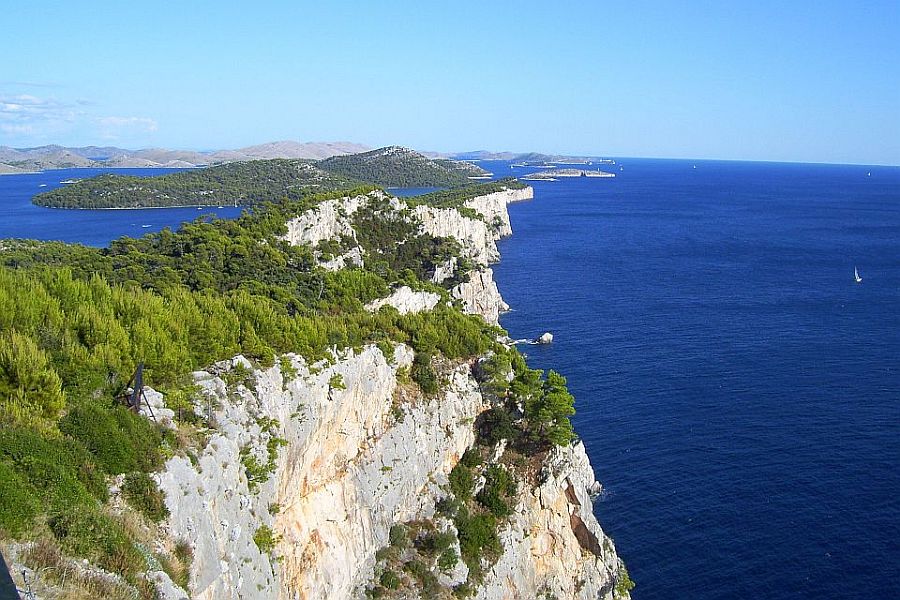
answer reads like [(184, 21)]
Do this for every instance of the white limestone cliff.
[(480, 296), (553, 545), (331, 219), (357, 449)]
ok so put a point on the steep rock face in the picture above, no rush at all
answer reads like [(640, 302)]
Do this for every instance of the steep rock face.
[(553, 545), (344, 475), (363, 469), (480, 296), (493, 207), (330, 220), (478, 241)]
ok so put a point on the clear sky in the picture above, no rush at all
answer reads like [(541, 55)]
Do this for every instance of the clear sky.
[(798, 80)]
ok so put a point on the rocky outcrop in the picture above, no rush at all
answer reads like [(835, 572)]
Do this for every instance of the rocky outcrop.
[(553, 545), (406, 301), (476, 238), (331, 219), (344, 475), (480, 296), (493, 207)]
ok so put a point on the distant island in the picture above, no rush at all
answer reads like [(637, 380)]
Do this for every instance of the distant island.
[(248, 183), (530, 158), (553, 174)]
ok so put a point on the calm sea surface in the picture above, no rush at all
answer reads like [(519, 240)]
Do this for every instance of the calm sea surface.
[(19, 218), (738, 393)]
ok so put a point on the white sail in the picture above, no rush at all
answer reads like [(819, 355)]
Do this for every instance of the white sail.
[(856, 275)]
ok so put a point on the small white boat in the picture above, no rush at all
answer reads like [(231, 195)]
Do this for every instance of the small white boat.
[(67, 181), (856, 276), (146, 226), (43, 185)]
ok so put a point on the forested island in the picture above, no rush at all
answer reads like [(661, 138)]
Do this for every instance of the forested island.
[(252, 182)]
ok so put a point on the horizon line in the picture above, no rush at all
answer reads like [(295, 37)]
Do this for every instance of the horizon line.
[(456, 153)]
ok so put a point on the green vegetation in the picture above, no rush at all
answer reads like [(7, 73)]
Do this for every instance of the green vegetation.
[(417, 553), (337, 382), (241, 183), (258, 181), (624, 584), (141, 492), (400, 167), (74, 321), (265, 539)]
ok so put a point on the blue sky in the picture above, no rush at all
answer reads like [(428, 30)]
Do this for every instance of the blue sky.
[(799, 81)]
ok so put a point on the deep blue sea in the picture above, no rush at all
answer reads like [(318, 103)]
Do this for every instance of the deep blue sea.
[(737, 391), (19, 218)]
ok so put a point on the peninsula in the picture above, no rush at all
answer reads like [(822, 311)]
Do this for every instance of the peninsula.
[(329, 407)]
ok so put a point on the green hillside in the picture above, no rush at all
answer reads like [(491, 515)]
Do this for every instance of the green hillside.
[(401, 167), (240, 183)]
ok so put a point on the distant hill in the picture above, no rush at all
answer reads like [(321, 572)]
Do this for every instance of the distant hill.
[(314, 150), (44, 158), (395, 166), (250, 182), (6, 169)]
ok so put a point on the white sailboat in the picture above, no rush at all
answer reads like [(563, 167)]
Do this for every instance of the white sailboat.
[(856, 276)]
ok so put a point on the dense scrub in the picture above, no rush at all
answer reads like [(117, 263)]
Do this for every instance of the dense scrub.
[(240, 183), (400, 167)]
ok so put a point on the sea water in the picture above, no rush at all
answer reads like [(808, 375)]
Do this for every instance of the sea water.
[(19, 218), (738, 393)]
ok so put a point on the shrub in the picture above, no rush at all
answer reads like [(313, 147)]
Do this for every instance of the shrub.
[(496, 424), (120, 440), (624, 584), (447, 560), (60, 470), (337, 382), (87, 532), (423, 374), (389, 580), (265, 539), (461, 481), (435, 542), (498, 487), (399, 536), (30, 389), (477, 538), (18, 502), (143, 494)]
